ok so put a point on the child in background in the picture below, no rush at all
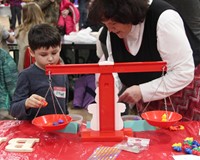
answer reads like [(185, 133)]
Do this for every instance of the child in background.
[(15, 8), (69, 17), (32, 15), (8, 79), (50, 8), (33, 83), (5, 37)]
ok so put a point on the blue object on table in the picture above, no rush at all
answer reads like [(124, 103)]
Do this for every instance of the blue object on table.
[(135, 125), (72, 127), (139, 125)]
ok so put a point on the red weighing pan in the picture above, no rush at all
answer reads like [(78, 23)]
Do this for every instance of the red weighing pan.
[(52, 122), (154, 118)]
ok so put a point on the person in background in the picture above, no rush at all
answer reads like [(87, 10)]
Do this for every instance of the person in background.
[(50, 9), (142, 31), (15, 7), (69, 17), (83, 9), (32, 15), (8, 79), (31, 94), (190, 11), (5, 37)]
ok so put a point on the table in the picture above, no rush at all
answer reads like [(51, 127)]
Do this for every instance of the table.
[(66, 45), (75, 48), (62, 146)]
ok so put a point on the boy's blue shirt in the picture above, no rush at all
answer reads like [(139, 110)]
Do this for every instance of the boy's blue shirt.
[(33, 80)]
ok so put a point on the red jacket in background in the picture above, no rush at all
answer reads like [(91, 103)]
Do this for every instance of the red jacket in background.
[(71, 20)]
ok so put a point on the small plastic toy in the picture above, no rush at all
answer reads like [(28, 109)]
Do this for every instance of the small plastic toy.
[(60, 121), (176, 127), (44, 103), (164, 117), (189, 146)]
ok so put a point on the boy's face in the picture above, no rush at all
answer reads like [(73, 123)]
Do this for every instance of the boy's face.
[(45, 56)]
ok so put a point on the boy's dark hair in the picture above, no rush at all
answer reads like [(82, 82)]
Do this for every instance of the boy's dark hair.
[(43, 36), (122, 11)]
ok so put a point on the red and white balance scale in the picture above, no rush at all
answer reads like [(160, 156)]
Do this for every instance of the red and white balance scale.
[(106, 124)]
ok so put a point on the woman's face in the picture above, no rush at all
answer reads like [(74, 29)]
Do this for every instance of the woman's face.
[(120, 29)]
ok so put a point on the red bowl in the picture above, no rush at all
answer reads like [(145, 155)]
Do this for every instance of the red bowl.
[(154, 118), (52, 122)]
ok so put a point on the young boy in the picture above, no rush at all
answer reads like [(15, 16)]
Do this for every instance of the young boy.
[(33, 83)]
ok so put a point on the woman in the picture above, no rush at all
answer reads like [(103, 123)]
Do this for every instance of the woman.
[(5, 37), (32, 15), (139, 31)]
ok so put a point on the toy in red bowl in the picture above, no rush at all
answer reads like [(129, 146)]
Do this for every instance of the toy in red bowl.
[(52, 122)]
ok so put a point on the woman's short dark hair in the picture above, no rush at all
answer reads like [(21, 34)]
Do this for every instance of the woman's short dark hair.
[(122, 11), (43, 36)]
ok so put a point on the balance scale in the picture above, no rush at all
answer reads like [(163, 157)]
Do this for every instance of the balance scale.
[(106, 124)]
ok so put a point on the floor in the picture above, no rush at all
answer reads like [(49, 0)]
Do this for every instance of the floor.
[(4, 20)]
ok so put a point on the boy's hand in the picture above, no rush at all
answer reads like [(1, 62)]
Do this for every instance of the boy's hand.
[(35, 101)]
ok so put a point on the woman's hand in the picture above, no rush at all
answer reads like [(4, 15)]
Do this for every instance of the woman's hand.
[(35, 101), (131, 95)]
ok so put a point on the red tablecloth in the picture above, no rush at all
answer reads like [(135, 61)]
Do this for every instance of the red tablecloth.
[(62, 146)]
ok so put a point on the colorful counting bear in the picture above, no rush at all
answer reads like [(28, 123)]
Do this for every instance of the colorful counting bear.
[(189, 146), (55, 123), (177, 147), (176, 128), (60, 121), (164, 117)]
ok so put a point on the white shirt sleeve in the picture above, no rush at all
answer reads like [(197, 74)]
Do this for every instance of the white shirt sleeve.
[(174, 48), (101, 55)]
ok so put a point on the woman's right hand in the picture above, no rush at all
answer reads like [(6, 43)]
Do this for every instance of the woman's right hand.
[(131, 95), (35, 101)]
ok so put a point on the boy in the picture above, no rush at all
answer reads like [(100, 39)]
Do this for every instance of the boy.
[(33, 83)]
